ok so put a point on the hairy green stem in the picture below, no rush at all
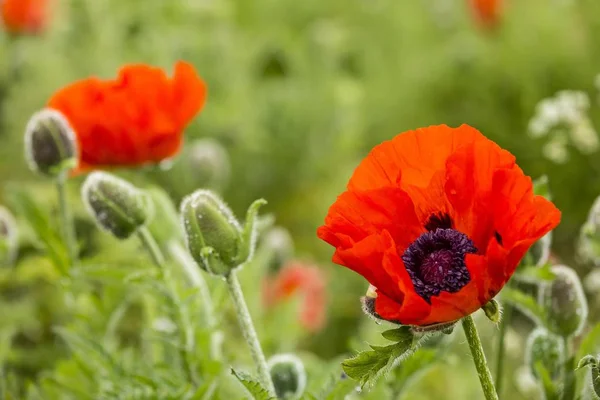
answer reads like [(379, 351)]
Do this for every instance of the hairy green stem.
[(66, 220), (186, 334), (501, 350), (197, 280), (485, 377), (249, 332)]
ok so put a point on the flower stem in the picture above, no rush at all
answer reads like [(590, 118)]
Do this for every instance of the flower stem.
[(502, 348), (249, 332), (186, 334), (66, 220), (485, 377), (195, 276)]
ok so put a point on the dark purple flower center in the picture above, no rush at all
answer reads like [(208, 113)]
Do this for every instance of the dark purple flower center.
[(435, 262)]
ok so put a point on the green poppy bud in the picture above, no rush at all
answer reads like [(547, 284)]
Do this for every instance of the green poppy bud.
[(493, 311), (545, 349), (288, 375), (8, 237), (210, 162), (564, 301), (117, 206), (214, 236), (280, 245), (593, 380), (50, 143)]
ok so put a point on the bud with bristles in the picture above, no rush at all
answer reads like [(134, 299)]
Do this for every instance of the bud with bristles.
[(214, 237), (493, 311), (545, 349), (288, 375), (50, 143), (8, 237), (564, 301), (117, 206)]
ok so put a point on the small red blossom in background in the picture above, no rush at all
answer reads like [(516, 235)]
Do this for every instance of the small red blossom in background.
[(20, 17), (136, 119), (487, 12), (299, 279), (437, 220)]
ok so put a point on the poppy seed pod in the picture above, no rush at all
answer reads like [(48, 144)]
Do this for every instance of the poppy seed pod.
[(117, 206), (50, 143), (8, 237), (288, 375), (564, 301), (214, 237), (546, 349)]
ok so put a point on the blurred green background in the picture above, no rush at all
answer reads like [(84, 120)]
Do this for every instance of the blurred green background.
[(299, 91)]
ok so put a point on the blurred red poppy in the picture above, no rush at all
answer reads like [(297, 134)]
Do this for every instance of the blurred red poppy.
[(487, 12), (297, 278), (136, 119), (436, 220), (24, 16)]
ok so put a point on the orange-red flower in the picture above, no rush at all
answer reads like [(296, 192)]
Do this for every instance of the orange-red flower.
[(436, 220), (297, 278), (136, 119), (24, 16), (487, 12)]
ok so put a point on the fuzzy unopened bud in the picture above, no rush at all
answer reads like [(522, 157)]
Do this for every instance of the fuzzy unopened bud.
[(50, 143), (288, 375), (280, 245), (210, 162), (493, 311), (594, 377), (545, 349), (214, 237), (8, 237), (564, 301), (117, 206)]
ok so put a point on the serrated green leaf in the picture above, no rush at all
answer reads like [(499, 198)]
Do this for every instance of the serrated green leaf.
[(254, 387), (401, 334), (525, 303), (368, 366)]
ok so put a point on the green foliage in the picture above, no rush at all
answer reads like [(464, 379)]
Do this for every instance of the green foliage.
[(253, 386)]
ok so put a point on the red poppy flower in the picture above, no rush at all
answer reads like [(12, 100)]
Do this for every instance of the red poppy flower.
[(24, 16), (305, 280), (487, 12), (436, 220), (136, 119)]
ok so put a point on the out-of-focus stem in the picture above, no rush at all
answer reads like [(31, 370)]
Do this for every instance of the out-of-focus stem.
[(66, 220)]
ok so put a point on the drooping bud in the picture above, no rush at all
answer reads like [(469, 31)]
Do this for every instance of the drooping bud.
[(493, 311), (50, 143), (214, 237), (280, 245), (288, 375), (544, 349), (117, 206), (8, 237), (594, 377), (209, 162), (564, 302)]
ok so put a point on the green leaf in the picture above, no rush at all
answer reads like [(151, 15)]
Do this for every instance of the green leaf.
[(42, 226), (254, 387), (592, 362), (368, 366), (535, 274), (401, 334), (525, 303), (548, 386), (591, 343)]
